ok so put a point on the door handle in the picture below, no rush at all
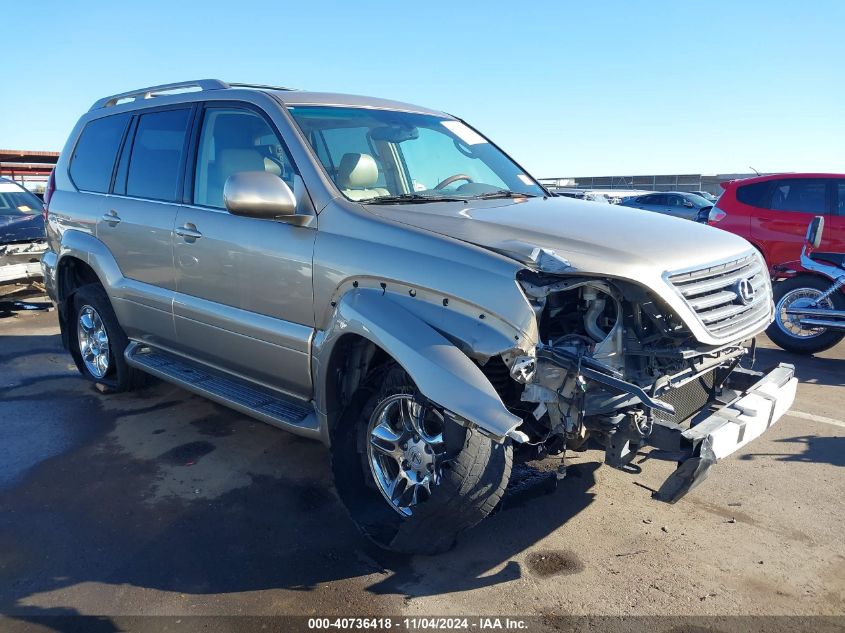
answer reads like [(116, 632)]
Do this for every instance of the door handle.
[(189, 232), (111, 217)]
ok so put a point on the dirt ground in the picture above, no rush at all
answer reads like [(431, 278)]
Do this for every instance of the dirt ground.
[(162, 503)]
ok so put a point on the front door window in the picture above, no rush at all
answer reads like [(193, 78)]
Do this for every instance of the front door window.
[(235, 140)]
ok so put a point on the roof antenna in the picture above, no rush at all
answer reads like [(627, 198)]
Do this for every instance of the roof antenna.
[(754, 170)]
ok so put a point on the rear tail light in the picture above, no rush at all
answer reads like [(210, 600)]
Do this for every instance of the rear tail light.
[(716, 215), (48, 193)]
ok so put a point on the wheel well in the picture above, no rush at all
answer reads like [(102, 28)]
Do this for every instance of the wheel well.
[(353, 359), (72, 274)]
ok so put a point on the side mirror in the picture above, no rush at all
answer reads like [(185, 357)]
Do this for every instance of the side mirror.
[(815, 231), (688, 204), (258, 194)]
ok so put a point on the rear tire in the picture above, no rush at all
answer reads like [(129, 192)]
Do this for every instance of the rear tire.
[(97, 342), (787, 292), (472, 473)]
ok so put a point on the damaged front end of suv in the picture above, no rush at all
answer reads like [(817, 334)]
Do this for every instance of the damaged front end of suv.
[(615, 363)]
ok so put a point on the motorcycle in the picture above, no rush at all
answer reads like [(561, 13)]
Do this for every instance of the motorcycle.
[(810, 307)]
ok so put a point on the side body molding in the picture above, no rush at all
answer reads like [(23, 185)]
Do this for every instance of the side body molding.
[(440, 370)]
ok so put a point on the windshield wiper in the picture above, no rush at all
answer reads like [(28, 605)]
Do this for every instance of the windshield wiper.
[(503, 193), (410, 198)]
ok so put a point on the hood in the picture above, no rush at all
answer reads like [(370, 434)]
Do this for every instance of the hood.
[(595, 238)]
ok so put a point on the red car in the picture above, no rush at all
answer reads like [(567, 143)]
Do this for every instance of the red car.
[(773, 212)]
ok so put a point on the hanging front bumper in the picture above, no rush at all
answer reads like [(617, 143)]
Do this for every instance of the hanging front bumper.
[(746, 417)]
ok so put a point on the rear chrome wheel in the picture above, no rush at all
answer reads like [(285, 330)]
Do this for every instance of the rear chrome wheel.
[(93, 341), (404, 448), (796, 299), (787, 331), (100, 341)]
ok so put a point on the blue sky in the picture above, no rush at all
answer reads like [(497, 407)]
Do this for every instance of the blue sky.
[(568, 88)]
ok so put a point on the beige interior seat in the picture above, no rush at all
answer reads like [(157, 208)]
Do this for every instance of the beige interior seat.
[(357, 175)]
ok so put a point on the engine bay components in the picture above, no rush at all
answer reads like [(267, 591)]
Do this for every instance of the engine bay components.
[(611, 363)]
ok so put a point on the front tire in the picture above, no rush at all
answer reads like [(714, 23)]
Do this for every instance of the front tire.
[(787, 332), (410, 478), (97, 342)]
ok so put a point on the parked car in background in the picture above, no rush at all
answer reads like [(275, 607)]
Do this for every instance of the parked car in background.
[(706, 195), (20, 214), (609, 196), (577, 194), (583, 194), (597, 196), (677, 203), (773, 212)]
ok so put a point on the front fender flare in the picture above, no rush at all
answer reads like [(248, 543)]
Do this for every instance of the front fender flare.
[(441, 372)]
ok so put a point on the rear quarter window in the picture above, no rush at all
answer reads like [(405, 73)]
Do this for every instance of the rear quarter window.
[(755, 194), (93, 157)]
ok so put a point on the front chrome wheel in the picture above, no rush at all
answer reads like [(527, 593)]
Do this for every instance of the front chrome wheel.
[(93, 341), (404, 449), (796, 299)]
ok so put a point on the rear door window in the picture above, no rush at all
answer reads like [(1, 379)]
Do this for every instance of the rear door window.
[(93, 157), (158, 150), (807, 195)]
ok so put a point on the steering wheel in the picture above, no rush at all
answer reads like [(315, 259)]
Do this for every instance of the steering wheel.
[(445, 183)]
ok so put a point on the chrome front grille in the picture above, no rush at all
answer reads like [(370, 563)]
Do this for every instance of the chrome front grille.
[(715, 294)]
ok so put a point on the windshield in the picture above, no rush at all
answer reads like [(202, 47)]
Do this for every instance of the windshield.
[(699, 199), (17, 201), (383, 155)]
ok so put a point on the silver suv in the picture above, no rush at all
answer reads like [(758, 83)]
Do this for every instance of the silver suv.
[(383, 278)]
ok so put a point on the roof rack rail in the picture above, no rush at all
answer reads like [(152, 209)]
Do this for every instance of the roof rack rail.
[(154, 91), (259, 86)]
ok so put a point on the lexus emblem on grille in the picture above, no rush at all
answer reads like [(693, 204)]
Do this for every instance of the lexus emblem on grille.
[(745, 291)]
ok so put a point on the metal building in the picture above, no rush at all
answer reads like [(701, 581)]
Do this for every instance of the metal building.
[(666, 182), (27, 167)]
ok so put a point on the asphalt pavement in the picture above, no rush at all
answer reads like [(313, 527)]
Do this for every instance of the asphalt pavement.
[(160, 503)]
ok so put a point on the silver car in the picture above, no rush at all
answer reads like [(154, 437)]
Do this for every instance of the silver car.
[(689, 206), (383, 278)]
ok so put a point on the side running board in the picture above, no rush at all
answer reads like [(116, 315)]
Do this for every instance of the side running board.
[(286, 412)]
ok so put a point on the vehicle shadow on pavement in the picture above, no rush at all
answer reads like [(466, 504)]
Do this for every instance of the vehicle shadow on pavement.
[(816, 449), (165, 491), (491, 545), (809, 369)]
